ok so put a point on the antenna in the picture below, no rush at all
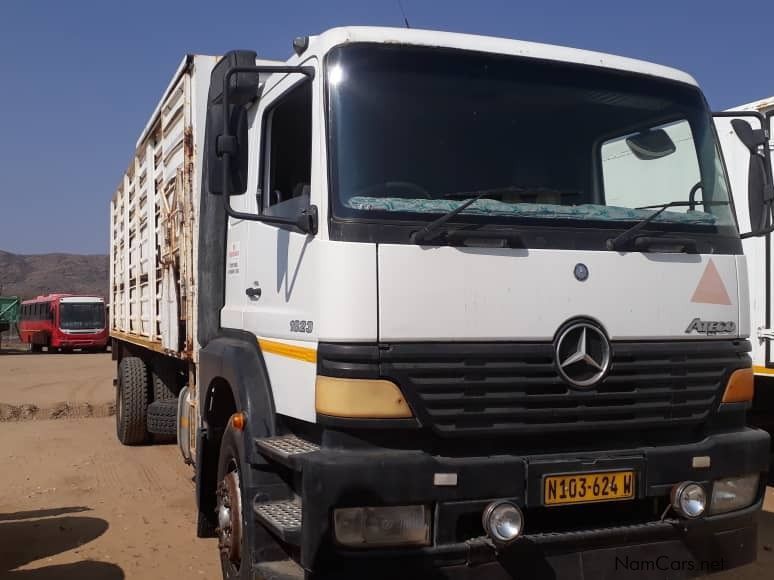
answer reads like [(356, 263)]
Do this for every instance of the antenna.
[(402, 11)]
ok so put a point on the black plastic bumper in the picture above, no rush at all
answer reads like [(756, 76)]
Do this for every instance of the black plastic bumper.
[(368, 478), (658, 550)]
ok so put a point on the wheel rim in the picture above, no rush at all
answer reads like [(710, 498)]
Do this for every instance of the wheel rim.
[(229, 514)]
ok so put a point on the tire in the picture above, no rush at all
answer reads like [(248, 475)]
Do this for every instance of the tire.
[(132, 401), (230, 463), (162, 418), (36, 347), (161, 388)]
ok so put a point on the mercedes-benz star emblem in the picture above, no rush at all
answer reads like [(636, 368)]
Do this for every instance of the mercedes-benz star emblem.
[(582, 354), (581, 272)]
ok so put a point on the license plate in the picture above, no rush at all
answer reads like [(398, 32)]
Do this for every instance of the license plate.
[(588, 487)]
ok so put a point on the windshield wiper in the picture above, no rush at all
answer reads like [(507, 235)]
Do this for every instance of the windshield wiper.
[(431, 229), (627, 236)]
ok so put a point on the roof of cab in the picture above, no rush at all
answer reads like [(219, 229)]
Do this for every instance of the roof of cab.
[(325, 41), (761, 105)]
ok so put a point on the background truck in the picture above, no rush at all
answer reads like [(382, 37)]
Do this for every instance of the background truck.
[(758, 250), (422, 304), (9, 314)]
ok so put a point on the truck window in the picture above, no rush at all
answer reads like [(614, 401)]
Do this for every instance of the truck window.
[(288, 159), (634, 180)]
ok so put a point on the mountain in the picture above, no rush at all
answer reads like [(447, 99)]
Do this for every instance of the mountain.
[(29, 276)]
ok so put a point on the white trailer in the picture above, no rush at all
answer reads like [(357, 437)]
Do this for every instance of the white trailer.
[(418, 303), (154, 248)]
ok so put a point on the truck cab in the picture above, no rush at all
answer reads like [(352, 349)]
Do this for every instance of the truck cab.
[(464, 307)]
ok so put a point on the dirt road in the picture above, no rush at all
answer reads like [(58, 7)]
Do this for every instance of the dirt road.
[(74, 503)]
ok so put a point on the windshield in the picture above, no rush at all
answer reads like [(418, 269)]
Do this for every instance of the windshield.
[(81, 315), (415, 131)]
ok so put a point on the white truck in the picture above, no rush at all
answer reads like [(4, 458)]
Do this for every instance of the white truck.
[(420, 304), (758, 249)]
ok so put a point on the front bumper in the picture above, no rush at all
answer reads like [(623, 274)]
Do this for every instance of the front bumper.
[(73, 341), (339, 478), (657, 550)]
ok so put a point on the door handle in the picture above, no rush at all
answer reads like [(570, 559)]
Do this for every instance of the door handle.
[(253, 293)]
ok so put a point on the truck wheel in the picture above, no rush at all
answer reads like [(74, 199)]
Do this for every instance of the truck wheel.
[(132, 401), (36, 347), (161, 388), (230, 509), (162, 419)]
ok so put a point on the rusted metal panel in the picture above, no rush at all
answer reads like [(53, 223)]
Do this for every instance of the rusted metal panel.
[(153, 222), (762, 106)]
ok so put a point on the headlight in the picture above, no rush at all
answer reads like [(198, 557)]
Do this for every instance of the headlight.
[(734, 493), (503, 521), (689, 499), (360, 399), (366, 527)]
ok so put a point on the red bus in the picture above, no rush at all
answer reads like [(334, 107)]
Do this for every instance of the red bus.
[(63, 322)]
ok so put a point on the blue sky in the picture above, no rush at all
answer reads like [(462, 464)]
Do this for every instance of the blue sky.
[(79, 78)]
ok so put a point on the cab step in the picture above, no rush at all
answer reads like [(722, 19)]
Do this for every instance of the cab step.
[(285, 449), (282, 518)]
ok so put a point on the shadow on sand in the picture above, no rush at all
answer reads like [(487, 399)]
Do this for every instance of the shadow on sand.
[(26, 537)]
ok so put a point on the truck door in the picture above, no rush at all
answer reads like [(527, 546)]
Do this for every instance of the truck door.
[(757, 250), (272, 270), (768, 331)]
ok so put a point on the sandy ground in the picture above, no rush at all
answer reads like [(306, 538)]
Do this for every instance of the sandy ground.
[(74, 503), (55, 385)]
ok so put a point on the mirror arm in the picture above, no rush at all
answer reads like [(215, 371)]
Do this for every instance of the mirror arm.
[(748, 235), (306, 222)]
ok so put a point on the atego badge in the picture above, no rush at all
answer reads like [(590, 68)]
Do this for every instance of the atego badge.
[(711, 326)]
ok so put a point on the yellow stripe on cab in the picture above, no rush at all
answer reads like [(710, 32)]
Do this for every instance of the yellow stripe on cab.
[(289, 350)]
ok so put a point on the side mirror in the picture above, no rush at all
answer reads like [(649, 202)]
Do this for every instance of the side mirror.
[(238, 148), (651, 144), (759, 186), (243, 90), (751, 138), (234, 85)]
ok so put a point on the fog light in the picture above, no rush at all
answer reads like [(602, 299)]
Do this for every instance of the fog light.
[(689, 499), (503, 521), (367, 527), (733, 493)]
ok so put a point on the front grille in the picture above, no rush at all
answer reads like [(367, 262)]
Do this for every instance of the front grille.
[(466, 389), (461, 389)]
